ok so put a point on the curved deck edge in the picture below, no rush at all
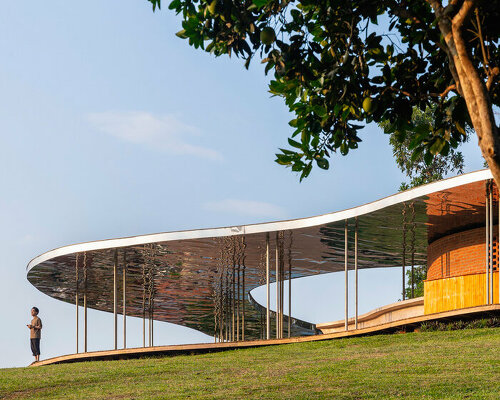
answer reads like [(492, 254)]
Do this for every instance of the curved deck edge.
[(200, 348), (400, 310)]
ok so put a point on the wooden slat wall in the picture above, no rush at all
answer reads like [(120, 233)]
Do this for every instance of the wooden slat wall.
[(457, 292)]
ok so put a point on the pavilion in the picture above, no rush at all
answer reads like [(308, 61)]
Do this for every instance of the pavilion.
[(203, 278)]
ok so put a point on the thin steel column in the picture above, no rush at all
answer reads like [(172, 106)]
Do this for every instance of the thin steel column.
[(143, 330), (268, 292), (243, 304), (282, 289), (356, 273), (149, 328), (238, 287), (233, 301), (76, 301), (144, 304), (491, 244), (115, 298), (124, 301), (487, 256), (289, 297), (346, 277), (404, 251), (85, 322), (277, 291), (85, 303)]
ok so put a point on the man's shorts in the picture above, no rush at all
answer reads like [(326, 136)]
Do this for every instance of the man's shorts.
[(35, 346)]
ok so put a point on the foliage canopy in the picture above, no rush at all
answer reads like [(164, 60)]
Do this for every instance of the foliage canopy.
[(412, 164), (341, 63)]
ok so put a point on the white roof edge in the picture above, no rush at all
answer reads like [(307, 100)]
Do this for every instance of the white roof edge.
[(267, 226)]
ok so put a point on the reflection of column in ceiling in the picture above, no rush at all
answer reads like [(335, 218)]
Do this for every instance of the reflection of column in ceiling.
[(222, 288), (444, 204), (150, 269), (261, 275), (243, 295), (217, 295)]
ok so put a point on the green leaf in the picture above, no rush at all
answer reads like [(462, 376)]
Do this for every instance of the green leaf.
[(155, 3), (174, 5), (428, 158), (437, 146), (181, 34), (261, 3), (294, 143), (323, 163)]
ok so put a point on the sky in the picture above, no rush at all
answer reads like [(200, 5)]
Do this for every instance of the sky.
[(111, 126)]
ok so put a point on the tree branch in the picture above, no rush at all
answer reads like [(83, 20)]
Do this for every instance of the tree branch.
[(445, 28), (492, 75), (444, 92), (463, 13)]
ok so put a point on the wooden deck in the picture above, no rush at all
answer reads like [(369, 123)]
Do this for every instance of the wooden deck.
[(173, 350)]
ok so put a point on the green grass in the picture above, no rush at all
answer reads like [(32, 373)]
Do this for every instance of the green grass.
[(452, 365)]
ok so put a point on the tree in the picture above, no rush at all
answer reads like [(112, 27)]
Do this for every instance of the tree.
[(412, 164), (419, 275), (420, 173), (336, 68)]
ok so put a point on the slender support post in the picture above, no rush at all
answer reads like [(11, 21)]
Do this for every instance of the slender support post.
[(289, 298), (152, 328), (221, 308), (233, 303), (404, 252), (491, 244), (143, 329), (268, 292), (124, 301), (487, 256), (238, 291), (76, 302), (243, 306), (356, 274), (149, 329), (115, 298), (277, 291), (346, 277), (282, 290), (85, 321), (85, 302)]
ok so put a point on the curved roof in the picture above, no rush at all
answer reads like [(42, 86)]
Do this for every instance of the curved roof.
[(184, 275)]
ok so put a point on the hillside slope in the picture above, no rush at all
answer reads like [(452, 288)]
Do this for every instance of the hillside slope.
[(454, 365)]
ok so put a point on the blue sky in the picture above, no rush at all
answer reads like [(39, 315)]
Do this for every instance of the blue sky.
[(112, 126)]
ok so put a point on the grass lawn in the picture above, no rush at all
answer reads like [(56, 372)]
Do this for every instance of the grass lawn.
[(445, 365)]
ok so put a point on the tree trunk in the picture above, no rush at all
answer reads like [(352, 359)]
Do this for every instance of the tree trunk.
[(470, 85)]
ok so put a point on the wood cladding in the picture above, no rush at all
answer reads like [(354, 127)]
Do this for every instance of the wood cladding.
[(457, 292)]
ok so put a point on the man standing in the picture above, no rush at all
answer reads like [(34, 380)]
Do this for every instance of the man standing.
[(35, 333)]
